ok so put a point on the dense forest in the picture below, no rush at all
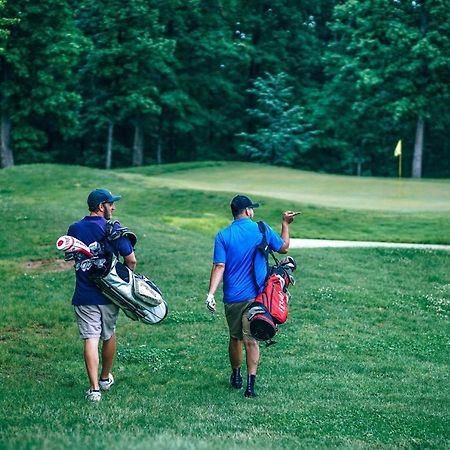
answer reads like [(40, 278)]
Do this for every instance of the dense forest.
[(323, 85)]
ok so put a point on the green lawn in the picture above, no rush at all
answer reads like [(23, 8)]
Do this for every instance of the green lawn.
[(361, 363)]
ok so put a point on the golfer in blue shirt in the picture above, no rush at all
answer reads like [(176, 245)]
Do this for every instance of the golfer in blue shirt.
[(243, 273)]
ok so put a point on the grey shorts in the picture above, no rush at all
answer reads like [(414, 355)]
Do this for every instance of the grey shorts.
[(96, 321), (238, 324)]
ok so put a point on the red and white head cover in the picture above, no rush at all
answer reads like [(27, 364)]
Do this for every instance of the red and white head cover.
[(70, 244)]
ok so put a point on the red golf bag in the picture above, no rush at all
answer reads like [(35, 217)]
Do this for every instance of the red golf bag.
[(271, 306)]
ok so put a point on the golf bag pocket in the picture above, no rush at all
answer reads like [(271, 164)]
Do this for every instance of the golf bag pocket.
[(135, 294), (145, 290), (262, 325), (270, 307), (274, 297)]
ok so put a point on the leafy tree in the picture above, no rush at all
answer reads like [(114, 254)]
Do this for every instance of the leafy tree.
[(202, 104), (127, 58), (283, 36), (386, 75), (6, 155), (39, 101), (281, 132), (171, 80), (4, 24)]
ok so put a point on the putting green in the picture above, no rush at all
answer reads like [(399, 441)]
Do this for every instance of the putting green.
[(369, 193)]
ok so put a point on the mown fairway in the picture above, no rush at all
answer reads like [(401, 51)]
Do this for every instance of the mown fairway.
[(361, 363)]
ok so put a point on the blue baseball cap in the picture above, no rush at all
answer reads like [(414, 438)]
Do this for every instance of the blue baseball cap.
[(101, 196)]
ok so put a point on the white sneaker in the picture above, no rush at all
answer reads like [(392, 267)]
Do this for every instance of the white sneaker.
[(106, 385), (93, 396)]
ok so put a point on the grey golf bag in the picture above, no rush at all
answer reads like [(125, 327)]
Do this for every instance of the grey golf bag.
[(138, 297)]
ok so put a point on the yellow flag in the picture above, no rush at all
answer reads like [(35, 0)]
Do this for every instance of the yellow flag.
[(398, 149)]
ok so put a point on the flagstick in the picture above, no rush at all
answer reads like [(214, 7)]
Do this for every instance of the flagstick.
[(400, 165)]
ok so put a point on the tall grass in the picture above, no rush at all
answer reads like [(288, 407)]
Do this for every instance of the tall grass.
[(361, 363)]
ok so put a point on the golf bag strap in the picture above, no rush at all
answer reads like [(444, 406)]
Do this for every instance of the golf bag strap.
[(264, 248), (267, 250)]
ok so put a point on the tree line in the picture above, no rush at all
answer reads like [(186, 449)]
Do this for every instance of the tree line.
[(324, 85)]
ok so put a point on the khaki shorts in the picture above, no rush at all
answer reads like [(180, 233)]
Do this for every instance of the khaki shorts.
[(96, 321), (238, 324)]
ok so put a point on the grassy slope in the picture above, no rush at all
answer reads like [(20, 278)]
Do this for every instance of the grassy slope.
[(362, 362), (342, 207)]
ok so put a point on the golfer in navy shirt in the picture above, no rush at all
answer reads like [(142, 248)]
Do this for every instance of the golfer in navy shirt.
[(234, 251), (96, 315)]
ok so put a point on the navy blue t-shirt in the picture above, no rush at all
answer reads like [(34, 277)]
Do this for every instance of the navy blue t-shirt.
[(235, 246), (88, 230)]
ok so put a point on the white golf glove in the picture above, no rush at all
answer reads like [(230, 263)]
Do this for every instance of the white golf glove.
[(211, 303)]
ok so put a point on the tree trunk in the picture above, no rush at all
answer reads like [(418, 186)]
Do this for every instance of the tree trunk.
[(6, 153), (416, 171), (109, 146), (7, 158), (159, 150), (138, 145), (418, 149), (159, 145)]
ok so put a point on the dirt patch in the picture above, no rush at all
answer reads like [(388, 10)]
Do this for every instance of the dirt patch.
[(48, 265), (8, 334)]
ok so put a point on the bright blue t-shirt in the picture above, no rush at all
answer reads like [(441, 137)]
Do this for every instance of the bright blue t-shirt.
[(88, 230), (235, 247)]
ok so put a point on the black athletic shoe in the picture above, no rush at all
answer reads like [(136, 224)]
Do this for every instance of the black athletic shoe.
[(236, 381), (250, 389), (249, 393)]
